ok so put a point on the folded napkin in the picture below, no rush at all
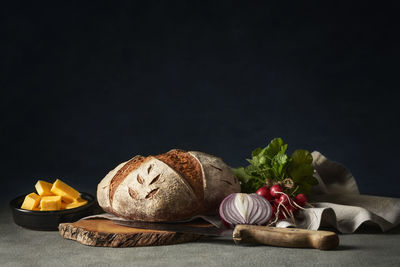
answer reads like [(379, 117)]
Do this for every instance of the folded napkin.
[(337, 202)]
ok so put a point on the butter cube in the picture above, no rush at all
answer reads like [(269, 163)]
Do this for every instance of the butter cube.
[(67, 193), (31, 201), (43, 188), (50, 203), (77, 203)]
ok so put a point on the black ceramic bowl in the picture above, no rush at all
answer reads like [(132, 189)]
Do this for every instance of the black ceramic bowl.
[(49, 220)]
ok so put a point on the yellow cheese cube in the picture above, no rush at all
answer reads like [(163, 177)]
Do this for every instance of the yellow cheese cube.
[(31, 201), (77, 203), (43, 188), (64, 204), (50, 203), (67, 193)]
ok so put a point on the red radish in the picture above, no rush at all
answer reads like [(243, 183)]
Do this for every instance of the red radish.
[(264, 192), (273, 210), (283, 199), (274, 189), (290, 208), (276, 201), (301, 199)]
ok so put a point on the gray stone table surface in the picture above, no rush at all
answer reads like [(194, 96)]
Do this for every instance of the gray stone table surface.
[(22, 247)]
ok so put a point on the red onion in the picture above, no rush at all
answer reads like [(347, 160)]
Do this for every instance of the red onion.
[(240, 208)]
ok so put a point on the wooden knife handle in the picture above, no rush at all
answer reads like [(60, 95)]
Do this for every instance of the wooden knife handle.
[(285, 237)]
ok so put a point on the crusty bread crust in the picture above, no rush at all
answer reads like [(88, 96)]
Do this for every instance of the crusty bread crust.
[(103, 189), (134, 163), (219, 180), (188, 167), (173, 186)]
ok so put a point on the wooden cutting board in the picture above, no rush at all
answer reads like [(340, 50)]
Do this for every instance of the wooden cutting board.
[(105, 233)]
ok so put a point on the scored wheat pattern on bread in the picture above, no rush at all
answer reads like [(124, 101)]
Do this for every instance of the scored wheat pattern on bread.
[(141, 181), (172, 186)]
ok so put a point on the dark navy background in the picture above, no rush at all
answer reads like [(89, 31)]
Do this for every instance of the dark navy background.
[(84, 88)]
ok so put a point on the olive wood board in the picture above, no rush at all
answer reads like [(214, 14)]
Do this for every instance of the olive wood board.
[(105, 233)]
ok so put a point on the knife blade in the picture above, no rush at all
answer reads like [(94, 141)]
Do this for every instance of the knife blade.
[(272, 236), (178, 227)]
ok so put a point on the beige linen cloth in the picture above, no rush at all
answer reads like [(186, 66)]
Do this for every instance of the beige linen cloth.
[(337, 202)]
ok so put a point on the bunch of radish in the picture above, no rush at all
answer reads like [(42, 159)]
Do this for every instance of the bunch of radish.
[(283, 205), (283, 180)]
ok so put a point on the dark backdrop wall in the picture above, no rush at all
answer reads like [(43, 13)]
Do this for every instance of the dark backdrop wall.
[(84, 88)]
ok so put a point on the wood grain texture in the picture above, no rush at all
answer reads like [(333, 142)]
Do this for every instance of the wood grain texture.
[(104, 233), (285, 237)]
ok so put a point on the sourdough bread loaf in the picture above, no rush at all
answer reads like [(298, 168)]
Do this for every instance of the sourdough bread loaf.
[(173, 186)]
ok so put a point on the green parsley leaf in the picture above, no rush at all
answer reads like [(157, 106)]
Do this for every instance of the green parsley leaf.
[(275, 146), (273, 164)]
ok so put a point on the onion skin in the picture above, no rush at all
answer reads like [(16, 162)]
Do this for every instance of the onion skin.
[(240, 208)]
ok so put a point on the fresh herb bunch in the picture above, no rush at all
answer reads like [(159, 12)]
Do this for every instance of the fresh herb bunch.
[(271, 165)]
